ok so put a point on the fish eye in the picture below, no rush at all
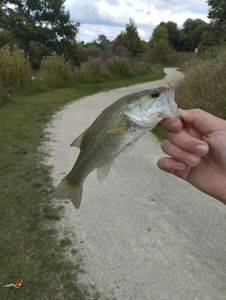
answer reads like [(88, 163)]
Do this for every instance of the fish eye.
[(155, 93)]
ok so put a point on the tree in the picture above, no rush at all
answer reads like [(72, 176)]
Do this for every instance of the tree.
[(191, 34), (217, 10), (6, 38), (217, 14), (40, 26), (103, 42), (173, 33), (159, 45), (129, 38)]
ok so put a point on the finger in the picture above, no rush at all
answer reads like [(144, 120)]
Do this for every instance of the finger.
[(193, 132), (170, 165), (188, 143), (202, 120), (171, 124), (179, 154)]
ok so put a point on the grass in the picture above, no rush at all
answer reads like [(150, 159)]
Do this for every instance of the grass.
[(28, 245), (204, 85)]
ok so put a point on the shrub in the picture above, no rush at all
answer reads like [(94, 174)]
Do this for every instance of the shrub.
[(204, 85), (180, 59), (141, 68), (119, 66), (55, 72), (15, 70), (94, 70)]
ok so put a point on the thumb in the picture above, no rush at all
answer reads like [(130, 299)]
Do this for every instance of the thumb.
[(202, 121)]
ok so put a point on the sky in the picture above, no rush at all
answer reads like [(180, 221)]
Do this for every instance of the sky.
[(109, 17)]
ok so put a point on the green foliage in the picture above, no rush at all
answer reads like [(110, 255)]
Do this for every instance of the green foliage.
[(217, 14), (191, 34), (15, 71), (55, 71), (217, 10), (159, 45), (208, 40), (6, 38), (141, 67), (180, 59), (94, 70), (103, 42), (119, 66), (122, 51), (204, 85), (190, 37), (129, 38), (173, 33), (90, 51), (97, 70), (38, 25)]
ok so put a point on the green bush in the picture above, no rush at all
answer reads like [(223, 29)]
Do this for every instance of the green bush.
[(141, 68), (54, 72), (94, 70), (180, 59), (15, 70), (204, 85), (119, 66)]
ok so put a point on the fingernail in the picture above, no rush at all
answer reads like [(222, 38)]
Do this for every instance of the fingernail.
[(192, 159), (173, 126), (202, 149), (180, 166)]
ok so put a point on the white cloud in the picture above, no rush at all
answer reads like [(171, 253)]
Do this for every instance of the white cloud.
[(110, 16)]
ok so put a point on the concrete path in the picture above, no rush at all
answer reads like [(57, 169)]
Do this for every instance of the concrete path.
[(142, 234)]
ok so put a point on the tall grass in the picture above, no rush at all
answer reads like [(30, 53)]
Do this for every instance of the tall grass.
[(204, 85), (16, 75), (55, 71), (92, 71), (119, 66), (15, 72)]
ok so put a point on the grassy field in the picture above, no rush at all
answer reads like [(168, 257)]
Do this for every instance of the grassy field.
[(28, 245)]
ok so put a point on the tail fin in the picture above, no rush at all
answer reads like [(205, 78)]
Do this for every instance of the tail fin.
[(67, 191)]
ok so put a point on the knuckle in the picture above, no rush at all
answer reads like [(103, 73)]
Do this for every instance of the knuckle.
[(164, 144), (178, 153), (196, 110)]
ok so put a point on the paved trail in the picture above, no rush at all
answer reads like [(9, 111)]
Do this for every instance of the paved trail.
[(143, 234)]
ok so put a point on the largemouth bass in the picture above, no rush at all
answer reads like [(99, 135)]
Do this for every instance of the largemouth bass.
[(118, 126)]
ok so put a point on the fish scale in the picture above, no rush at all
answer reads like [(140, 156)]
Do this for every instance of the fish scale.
[(118, 126)]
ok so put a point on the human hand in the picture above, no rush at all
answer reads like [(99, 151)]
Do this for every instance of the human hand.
[(197, 151)]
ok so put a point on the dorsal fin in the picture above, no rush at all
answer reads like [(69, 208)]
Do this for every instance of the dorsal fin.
[(77, 142)]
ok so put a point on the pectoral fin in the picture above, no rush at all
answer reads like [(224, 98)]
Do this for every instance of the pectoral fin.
[(103, 171), (77, 142)]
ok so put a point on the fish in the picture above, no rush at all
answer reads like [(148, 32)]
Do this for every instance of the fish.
[(119, 126)]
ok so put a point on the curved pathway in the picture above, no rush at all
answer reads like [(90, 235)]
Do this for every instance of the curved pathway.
[(142, 234)]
